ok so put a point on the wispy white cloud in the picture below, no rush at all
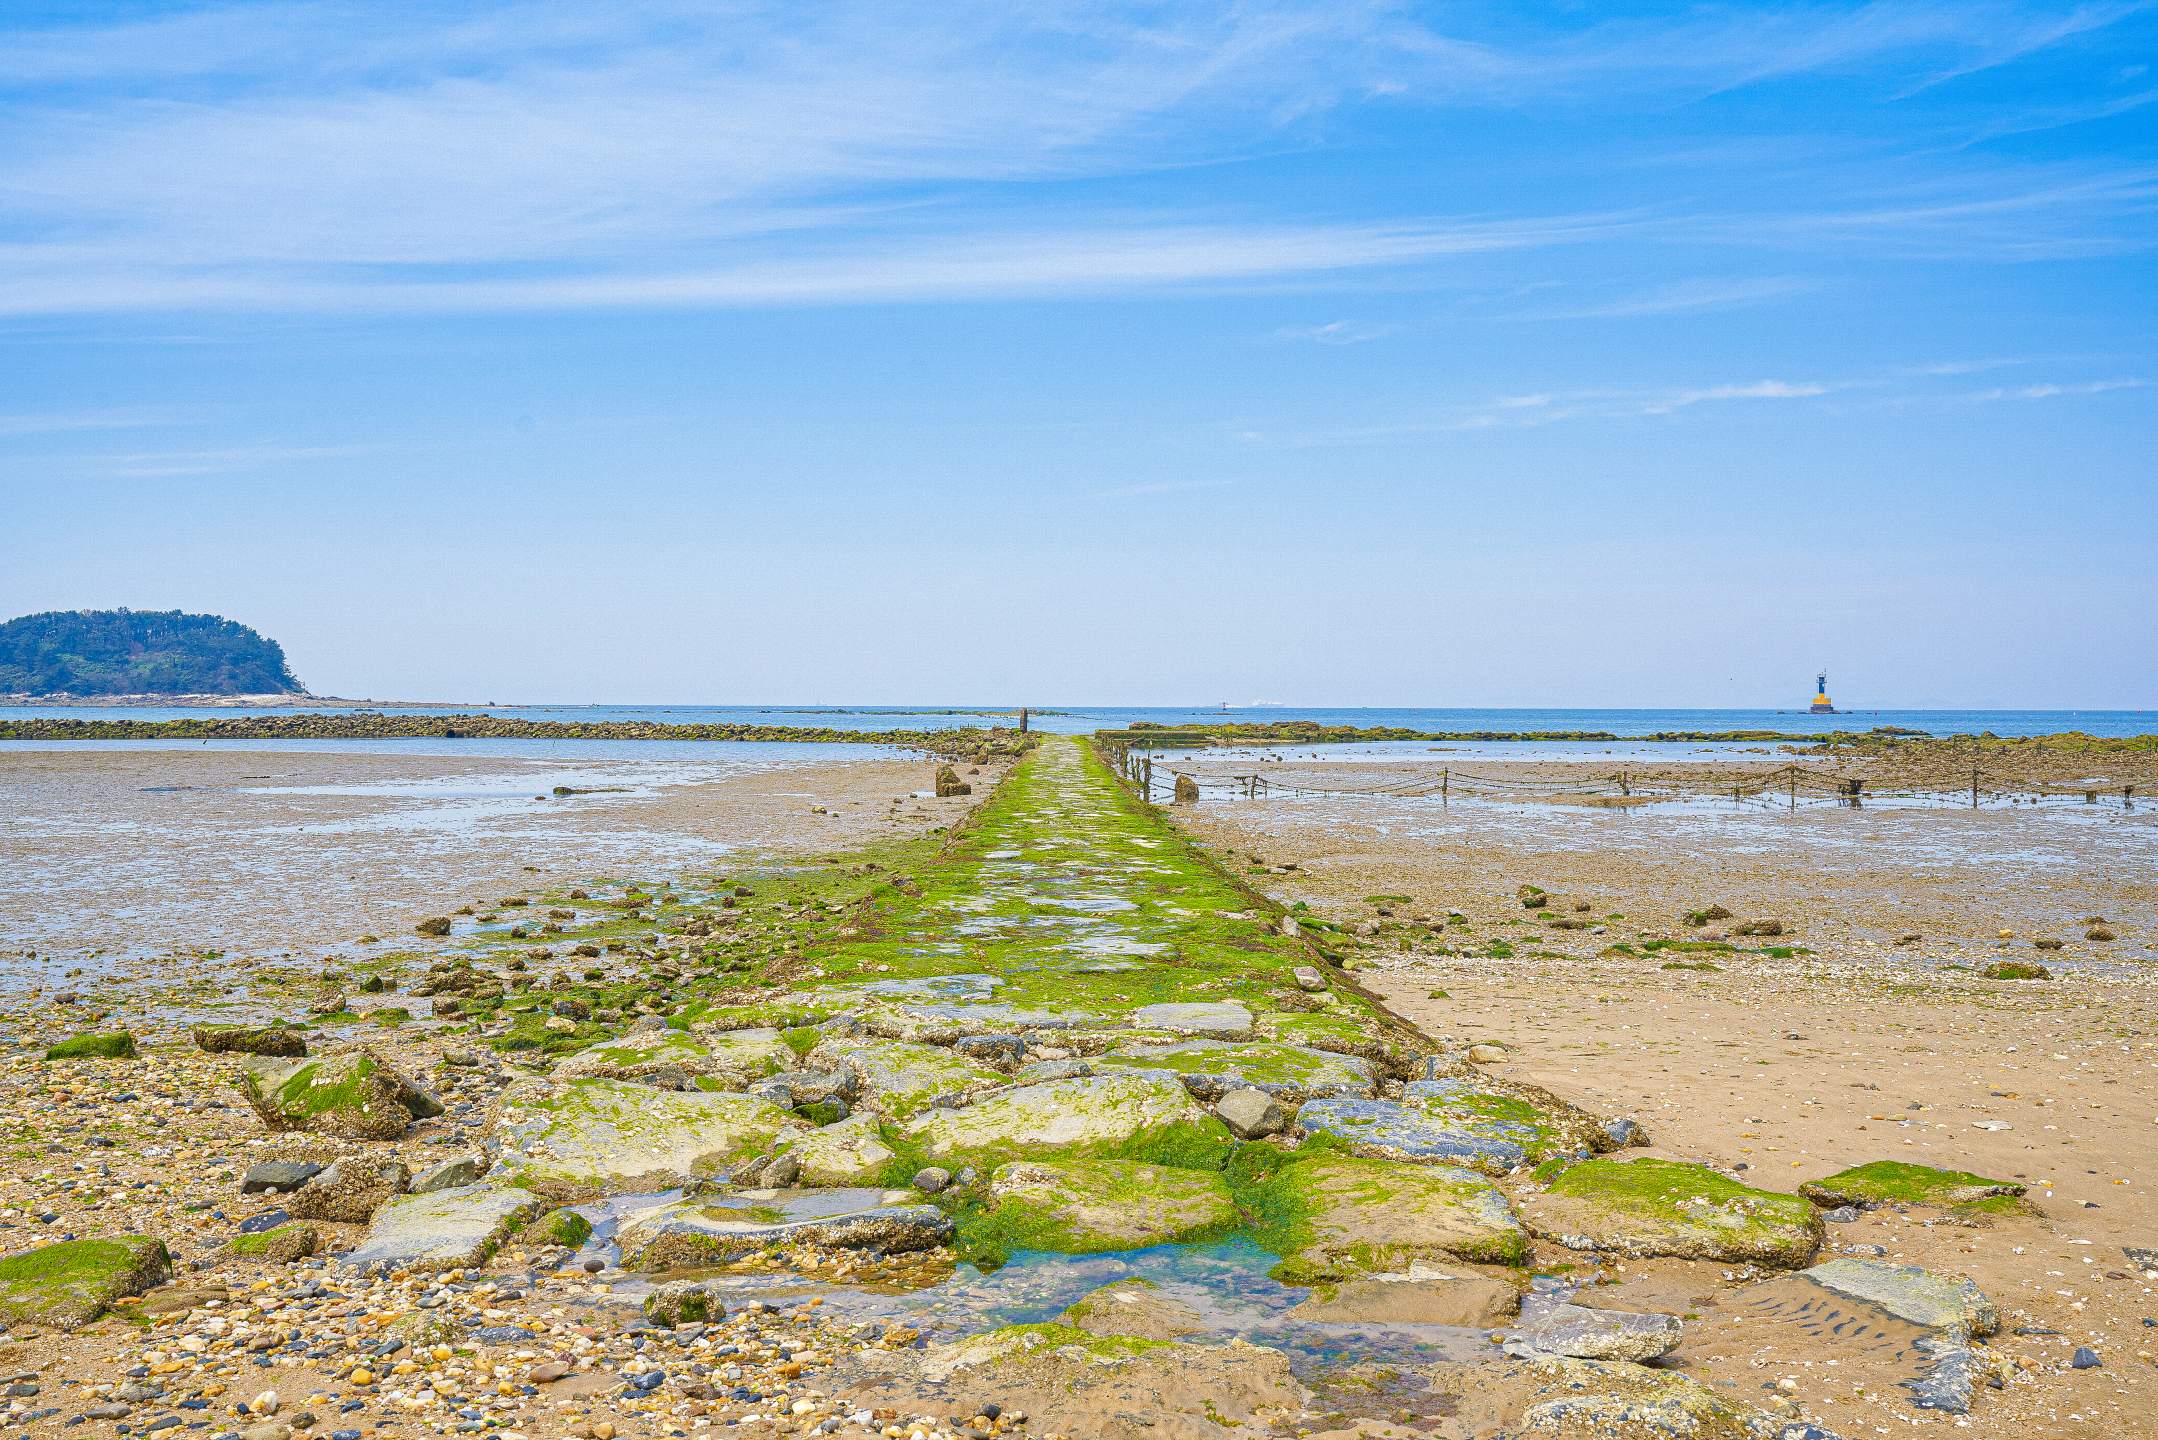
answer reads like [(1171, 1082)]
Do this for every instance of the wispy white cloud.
[(2054, 390), (496, 154), (173, 464), (67, 422), (1686, 296), (1338, 332)]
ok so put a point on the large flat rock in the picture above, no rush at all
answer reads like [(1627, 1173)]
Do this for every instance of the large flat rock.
[(671, 1060), (66, 1286), (899, 1078), (851, 1152), (442, 1229), (355, 1094), (713, 1230), (1640, 1208), (589, 1138), (1091, 1112), (1950, 1304), (1354, 1216), (1389, 1130), (1211, 1068), (1082, 1206)]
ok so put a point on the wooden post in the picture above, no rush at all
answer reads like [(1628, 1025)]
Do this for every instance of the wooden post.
[(1794, 789), (1974, 787), (1146, 785), (1446, 785)]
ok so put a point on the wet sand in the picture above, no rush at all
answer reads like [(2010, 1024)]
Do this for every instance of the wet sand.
[(1863, 1049), (151, 851)]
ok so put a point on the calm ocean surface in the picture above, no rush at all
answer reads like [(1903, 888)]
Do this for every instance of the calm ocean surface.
[(1079, 718)]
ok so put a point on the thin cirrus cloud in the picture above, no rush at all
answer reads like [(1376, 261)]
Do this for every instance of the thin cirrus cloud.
[(533, 154)]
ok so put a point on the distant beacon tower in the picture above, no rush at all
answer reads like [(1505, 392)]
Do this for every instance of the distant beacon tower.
[(1822, 705)]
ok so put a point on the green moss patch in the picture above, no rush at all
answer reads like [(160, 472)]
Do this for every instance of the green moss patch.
[(66, 1286), (1892, 1182), (115, 1045), (1667, 1207)]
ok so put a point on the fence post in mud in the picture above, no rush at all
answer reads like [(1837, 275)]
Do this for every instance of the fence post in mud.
[(1146, 784), (1625, 785), (1794, 789), (1851, 790), (1974, 787), (1446, 785)]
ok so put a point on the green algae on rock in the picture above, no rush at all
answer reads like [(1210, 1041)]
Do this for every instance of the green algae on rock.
[(114, 1045), (1084, 1206), (718, 1060), (1640, 1208), (1087, 1113), (354, 1093), (66, 1286), (589, 1138), (278, 1245), (1332, 1216), (443, 1229), (559, 1226), (1893, 1182), (690, 1234), (278, 1040)]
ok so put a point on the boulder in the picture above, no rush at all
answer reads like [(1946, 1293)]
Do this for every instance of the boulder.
[(1094, 1112), (1554, 1328), (1594, 1399), (1377, 1217), (560, 1226), (700, 1232), (1251, 1114), (113, 1045), (851, 1152), (278, 1176), (1187, 790), (68, 1285), (590, 1138), (450, 1174), (949, 784), (685, 1302), (1892, 1182), (278, 1245), (1083, 1206), (442, 1230), (279, 1040), (350, 1191), (1639, 1208), (897, 1079), (671, 1060), (355, 1094)]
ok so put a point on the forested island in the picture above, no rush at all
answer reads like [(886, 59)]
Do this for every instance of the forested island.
[(139, 652)]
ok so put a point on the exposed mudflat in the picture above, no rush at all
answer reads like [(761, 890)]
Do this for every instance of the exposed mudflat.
[(1829, 1045), (143, 851)]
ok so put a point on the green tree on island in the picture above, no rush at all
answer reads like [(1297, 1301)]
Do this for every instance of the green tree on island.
[(139, 652)]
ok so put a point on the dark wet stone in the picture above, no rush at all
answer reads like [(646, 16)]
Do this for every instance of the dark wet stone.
[(278, 1176)]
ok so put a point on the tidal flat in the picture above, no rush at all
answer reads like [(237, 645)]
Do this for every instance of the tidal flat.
[(1039, 1110)]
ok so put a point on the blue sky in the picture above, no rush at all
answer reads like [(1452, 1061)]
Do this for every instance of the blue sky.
[(1330, 353)]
